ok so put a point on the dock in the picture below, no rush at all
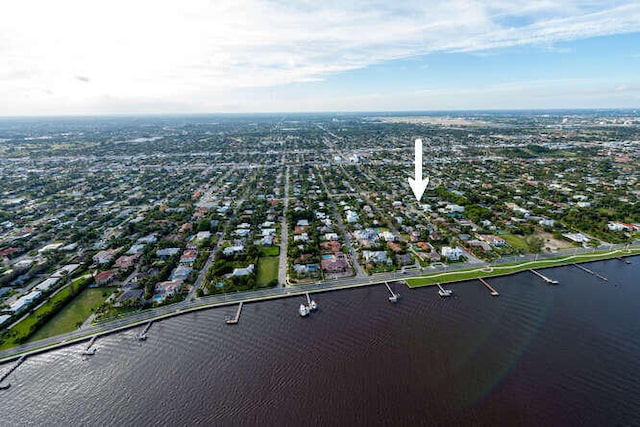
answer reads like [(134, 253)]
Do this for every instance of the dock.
[(394, 297), (443, 292), (93, 340), (143, 335), (91, 350), (233, 321), (13, 368), (494, 293), (585, 269), (543, 277)]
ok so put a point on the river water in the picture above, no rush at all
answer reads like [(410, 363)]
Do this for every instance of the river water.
[(536, 355)]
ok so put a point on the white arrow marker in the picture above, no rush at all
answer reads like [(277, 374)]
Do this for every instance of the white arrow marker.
[(418, 185)]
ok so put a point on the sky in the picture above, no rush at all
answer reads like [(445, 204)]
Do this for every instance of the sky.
[(164, 56)]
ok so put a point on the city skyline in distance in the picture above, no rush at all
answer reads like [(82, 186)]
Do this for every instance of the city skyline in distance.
[(264, 56)]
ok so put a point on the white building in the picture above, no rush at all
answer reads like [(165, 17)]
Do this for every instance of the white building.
[(452, 254)]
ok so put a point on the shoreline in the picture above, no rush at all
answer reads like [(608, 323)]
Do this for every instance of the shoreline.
[(112, 327)]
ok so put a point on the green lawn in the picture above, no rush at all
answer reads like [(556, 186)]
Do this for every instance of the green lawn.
[(267, 270), (269, 251), (24, 328), (516, 242), (77, 311), (468, 274)]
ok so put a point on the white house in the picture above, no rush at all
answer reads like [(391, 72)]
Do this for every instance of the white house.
[(452, 254)]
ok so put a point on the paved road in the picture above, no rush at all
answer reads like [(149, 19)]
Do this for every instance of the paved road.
[(139, 318), (360, 273), (282, 264)]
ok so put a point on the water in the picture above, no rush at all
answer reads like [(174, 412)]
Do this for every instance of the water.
[(535, 355)]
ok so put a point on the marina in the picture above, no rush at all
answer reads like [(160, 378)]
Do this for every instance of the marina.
[(543, 277), (236, 319), (587, 270), (494, 293)]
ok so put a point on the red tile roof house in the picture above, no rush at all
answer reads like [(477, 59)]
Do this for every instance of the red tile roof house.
[(126, 262), (106, 277), (336, 264), (188, 256)]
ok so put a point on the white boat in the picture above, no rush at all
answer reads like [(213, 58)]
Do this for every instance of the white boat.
[(313, 305), (445, 292), (394, 298), (142, 337), (303, 310), (90, 351)]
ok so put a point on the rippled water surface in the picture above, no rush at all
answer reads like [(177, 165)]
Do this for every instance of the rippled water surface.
[(536, 355)]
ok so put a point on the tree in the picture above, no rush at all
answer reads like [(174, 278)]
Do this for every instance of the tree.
[(535, 244)]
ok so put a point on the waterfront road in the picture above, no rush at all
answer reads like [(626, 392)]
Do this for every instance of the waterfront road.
[(141, 317)]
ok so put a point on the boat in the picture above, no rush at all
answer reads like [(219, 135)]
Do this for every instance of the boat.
[(303, 310), (90, 351), (445, 292), (394, 298), (142, 337), (5, 386), (313, 305)]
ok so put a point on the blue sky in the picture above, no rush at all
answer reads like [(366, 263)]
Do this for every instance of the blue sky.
[(78, 57)]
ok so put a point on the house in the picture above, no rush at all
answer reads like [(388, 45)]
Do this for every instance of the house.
[(493, 240), (306, 270), (168, 288), (202, 235), (188, 256), (167, 252), (387, 236), (24, 301), (304, 237), (331, 236), (452, 254), (233, 250), (352, 216), (180, 273), (331, 246), (245, 271), (376, 257), (125, 262), (103, 257), (47, 284), (454, 208), (136, 249), (336, 263), (394, 246), (404, 259), (481, 244), (242, 232), (105, 277)]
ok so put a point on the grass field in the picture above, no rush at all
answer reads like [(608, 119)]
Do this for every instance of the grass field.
[(269, 251), (77, 311), (516, 242), (23, 328), (468, 274), (267, 270)]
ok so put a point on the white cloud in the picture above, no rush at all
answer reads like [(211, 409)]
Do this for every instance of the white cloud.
[(76, 56)]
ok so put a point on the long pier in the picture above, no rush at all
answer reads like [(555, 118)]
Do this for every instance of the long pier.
[(13, 368), (394, 297), (543, 277), (233, 321), (143, 335), (598, 275), (494, 293), (93, 340)]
